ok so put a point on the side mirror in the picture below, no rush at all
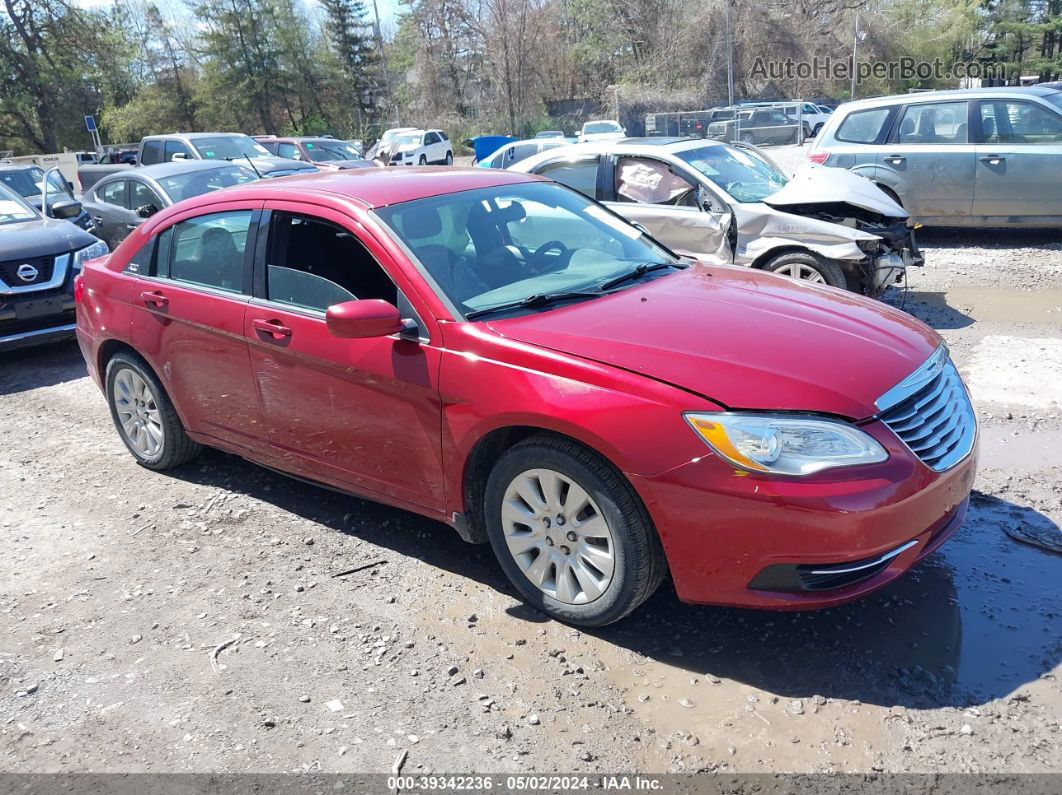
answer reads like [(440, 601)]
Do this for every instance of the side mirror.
[(146, 210), (179, 156), (704, 201), (370, 317), (65, 210)]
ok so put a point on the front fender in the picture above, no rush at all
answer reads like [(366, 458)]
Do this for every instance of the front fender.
[(489, 382)]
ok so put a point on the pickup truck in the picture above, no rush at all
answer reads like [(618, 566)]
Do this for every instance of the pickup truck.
[(241, 149), (39, 258)]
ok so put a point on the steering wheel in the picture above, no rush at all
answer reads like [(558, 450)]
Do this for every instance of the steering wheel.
[(536, 262)]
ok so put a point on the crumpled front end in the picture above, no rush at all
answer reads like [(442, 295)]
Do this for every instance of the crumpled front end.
[(874, 250)]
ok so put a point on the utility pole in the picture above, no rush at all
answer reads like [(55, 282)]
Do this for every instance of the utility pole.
[(729, 56), (857, 37), (378, 35)]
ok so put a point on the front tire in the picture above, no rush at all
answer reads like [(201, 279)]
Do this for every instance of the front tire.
[(748, 138), (570, 533), (423, 160), (807, 267), (144, 416)]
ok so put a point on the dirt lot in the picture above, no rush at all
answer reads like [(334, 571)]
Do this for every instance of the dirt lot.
[(195, 620)]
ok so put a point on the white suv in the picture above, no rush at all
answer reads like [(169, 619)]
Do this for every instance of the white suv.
[(420, 148)]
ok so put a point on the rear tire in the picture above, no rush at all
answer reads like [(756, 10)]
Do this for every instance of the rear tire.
[(587, 554), (748, 138), (805, 266), (449, 158), (144, 415)]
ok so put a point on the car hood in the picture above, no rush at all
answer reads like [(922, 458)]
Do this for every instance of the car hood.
[(816, 184), (743, 338), (41, 238)]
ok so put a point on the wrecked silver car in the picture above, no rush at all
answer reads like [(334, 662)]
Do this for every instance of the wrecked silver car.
[(729, 203)]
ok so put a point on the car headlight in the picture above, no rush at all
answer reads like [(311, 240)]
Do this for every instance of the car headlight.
[(97, 249), (784, 444)]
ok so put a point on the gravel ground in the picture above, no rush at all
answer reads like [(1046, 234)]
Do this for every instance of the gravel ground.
[(223, 618)]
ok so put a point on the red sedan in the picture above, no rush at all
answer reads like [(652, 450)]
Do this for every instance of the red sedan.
[(498, 352)]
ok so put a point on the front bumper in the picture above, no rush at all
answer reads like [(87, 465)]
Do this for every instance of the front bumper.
[(728, 535)]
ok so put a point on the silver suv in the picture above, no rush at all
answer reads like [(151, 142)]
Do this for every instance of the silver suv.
[(978, 157)]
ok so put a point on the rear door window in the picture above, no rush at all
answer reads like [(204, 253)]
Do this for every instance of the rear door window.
[(933, 123), (864, 126), (580, 175), (209, 251)]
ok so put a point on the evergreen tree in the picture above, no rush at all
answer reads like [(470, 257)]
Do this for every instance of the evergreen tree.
[(352, 42)]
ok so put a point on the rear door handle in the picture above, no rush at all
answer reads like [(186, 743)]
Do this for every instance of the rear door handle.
[(895, 159), (155, 298), (274, 328), (994, 160)]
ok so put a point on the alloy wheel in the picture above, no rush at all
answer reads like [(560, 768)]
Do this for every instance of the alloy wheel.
[(802, 271), (138, 413), (558, 536)]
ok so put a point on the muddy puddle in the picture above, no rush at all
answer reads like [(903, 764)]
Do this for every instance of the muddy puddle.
[(995, 304)]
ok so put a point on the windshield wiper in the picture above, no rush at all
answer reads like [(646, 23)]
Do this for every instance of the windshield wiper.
[(638, 271), (537, 299)]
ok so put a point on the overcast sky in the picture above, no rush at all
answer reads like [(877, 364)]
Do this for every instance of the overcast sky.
[(388, 9)]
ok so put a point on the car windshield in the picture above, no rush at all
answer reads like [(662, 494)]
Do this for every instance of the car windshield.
[(196, 183), (408, 139), (229, 147), (494, 246), (27, 182), (1055, 99), (331, 150), (13, 209), (601, 127), (744, 176)]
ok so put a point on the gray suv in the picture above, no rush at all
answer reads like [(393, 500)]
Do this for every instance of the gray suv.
[(977, 157)]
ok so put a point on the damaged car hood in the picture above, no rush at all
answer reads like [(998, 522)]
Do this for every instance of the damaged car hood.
[(743, 338), (817, 185)]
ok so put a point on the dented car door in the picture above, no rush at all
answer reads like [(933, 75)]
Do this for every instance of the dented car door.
[(671, 206)]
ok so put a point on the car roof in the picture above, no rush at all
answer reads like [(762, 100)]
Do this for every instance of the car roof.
[(957, 93), (377, 187), (191, 136), (17, 166), (176, 167), (657, 140)]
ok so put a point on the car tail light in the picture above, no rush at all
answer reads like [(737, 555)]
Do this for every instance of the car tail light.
[(79, 287), (819, 157)]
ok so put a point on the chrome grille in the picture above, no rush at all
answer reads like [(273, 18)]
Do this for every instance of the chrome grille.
[(931, 412)]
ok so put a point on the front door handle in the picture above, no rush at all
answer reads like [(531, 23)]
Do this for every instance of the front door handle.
[(274, 328), (155, 299), (993, 160), (895, 159)]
